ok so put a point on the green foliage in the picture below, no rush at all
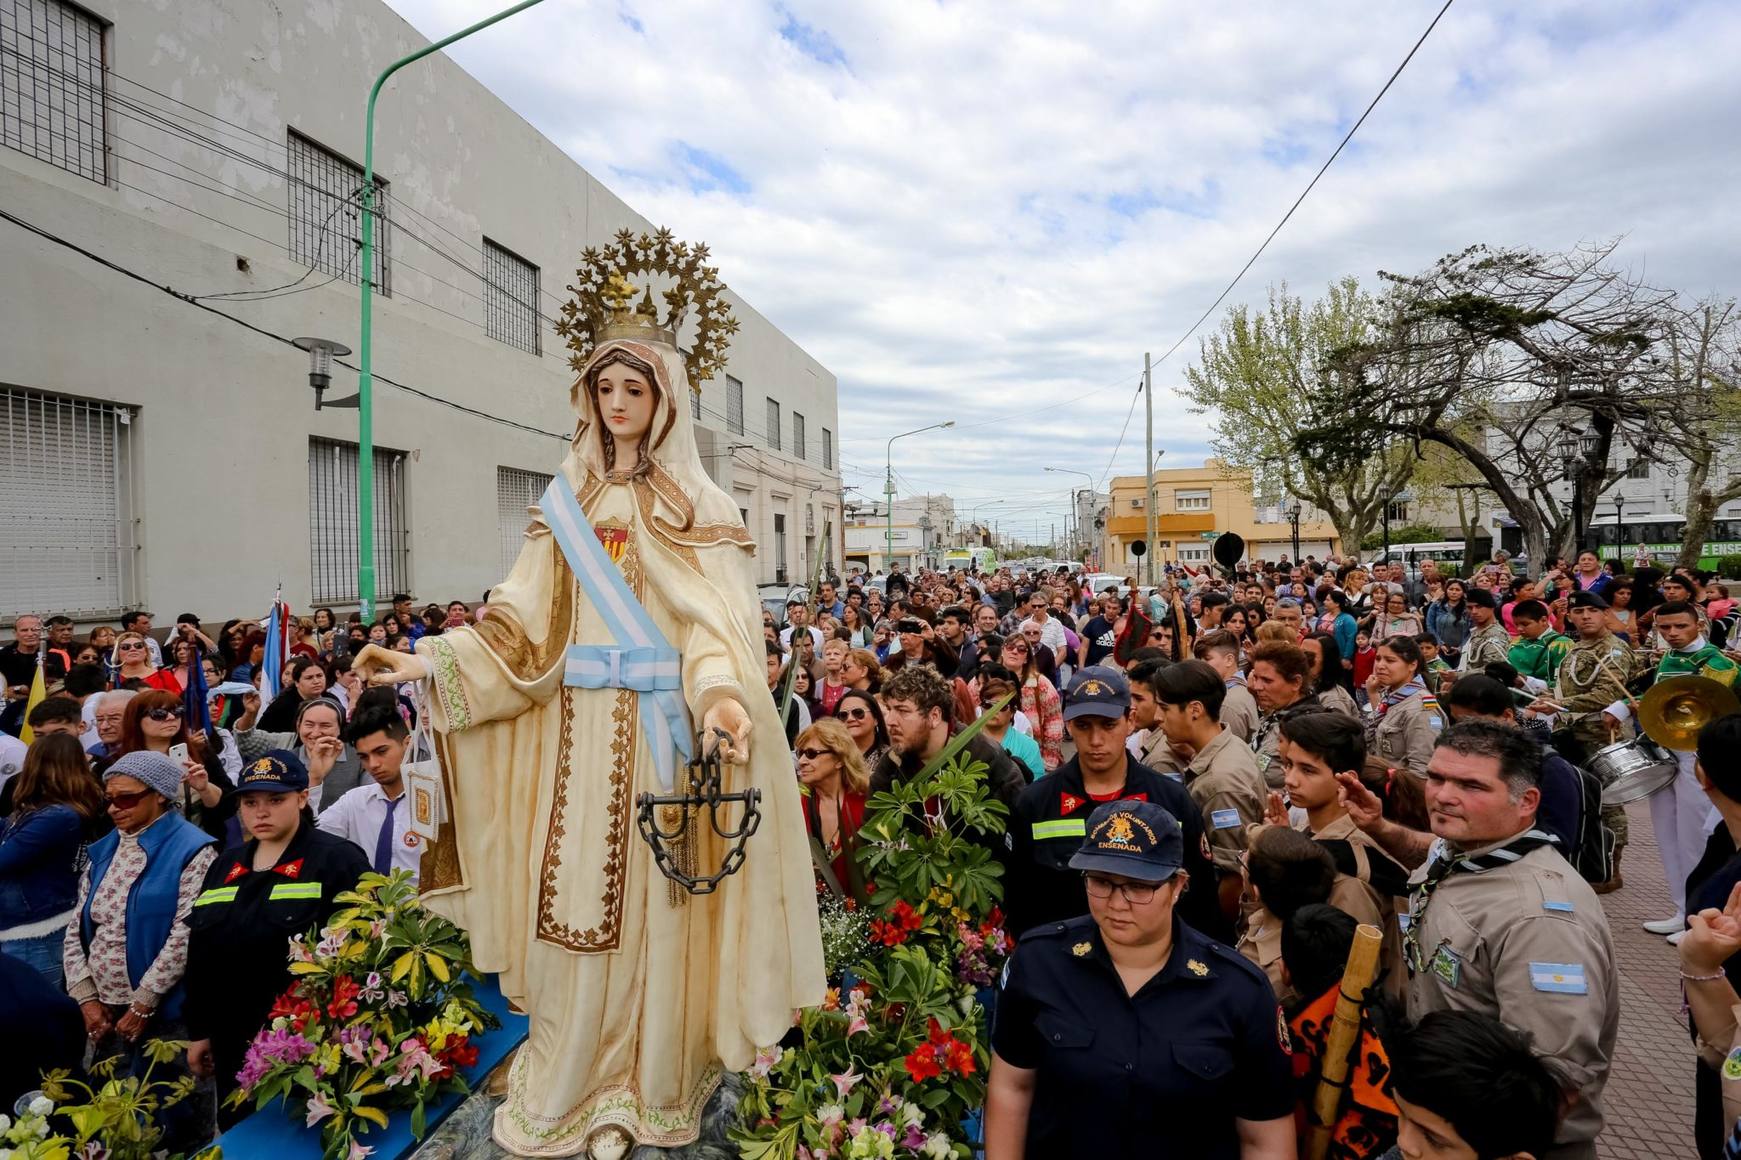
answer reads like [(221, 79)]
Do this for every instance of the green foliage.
[(1729, 567), (900, 1040), (114, 1116), (1406, 534), (380, 1017)]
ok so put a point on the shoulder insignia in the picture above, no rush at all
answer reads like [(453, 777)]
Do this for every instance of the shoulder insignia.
[(1557, 904), (1197, 967), (1282, 1037), (1068, 803), (1082, 949), (291, 869), (1559, 978), (236, 871)]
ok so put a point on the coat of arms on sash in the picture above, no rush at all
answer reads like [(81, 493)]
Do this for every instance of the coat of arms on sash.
[(614, 535)]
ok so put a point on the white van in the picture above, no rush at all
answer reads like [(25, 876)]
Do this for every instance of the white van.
[(1447, 553)]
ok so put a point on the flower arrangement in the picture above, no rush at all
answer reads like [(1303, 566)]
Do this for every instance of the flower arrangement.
[(116, 1120), (893, 1063), (380, 1017)]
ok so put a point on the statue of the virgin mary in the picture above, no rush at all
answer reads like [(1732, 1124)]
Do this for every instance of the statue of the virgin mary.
[(638, 992)]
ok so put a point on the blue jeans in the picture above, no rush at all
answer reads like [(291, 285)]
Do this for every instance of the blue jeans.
[(42, 952)]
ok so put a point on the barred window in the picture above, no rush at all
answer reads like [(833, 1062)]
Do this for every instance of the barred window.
[(773, 424), (53, 88), (510, 298), (827, 449), (798, 435), (734, 405), (326, 213), (516, 490), (332, 521), (66, 520)]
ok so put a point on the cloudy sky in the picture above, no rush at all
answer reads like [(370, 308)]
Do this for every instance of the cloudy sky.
[(987, 212)]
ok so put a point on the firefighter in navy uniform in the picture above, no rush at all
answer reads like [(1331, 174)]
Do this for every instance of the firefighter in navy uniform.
[(280, 883), (1050, 817), (1127, 1033)]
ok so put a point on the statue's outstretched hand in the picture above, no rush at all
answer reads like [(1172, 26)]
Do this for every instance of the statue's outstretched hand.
[(728, 714), (382, 666)]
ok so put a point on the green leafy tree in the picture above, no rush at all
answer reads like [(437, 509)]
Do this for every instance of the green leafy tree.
[(1258, 376)]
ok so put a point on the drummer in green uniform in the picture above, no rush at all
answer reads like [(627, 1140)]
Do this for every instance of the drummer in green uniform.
[(1538, 650), (1680, 813), (1592, 677)]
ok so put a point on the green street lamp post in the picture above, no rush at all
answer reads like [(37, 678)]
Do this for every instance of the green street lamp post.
[(889, 488), (365, 348)]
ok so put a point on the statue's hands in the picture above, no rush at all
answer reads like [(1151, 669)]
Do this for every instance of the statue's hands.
[(382, 666), (728, 714)]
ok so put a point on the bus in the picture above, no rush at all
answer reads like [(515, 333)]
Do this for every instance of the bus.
[(1448, 554), (1661, 537)]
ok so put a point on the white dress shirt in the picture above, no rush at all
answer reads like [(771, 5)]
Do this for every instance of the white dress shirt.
[(358, 816)]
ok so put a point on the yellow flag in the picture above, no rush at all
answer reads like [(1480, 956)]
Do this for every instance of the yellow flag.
[(38, 694)]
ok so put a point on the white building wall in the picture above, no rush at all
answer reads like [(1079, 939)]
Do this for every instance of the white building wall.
[(220, 414)]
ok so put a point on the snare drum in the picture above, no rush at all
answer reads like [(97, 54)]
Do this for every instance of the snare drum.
[(1631, 770)]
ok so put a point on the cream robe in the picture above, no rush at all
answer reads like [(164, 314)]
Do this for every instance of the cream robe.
[(637, 991)]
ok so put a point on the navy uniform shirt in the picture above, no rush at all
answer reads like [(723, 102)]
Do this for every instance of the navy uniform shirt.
[(1163, 1073)]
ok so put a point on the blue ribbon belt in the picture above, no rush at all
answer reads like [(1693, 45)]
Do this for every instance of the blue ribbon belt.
[(640, 659)]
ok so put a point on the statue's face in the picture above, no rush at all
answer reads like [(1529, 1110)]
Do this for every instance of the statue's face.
[(625, 402)]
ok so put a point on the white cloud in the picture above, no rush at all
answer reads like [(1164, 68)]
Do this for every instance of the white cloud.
[(976, 210)]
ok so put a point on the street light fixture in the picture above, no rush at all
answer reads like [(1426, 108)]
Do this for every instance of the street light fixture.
[(321, 352), (889, 487), (1073, 521), (1577, 451), (1294, 519)]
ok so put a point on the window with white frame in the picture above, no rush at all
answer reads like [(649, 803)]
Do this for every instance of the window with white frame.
[(827, 449), (798, 439), (510, 298), (66, 517), (332, 521), (1638, 469), (773, 424), (734, 406), (53, 85), (516, 490), (1191, 501), (1193, 553), (326, 213)]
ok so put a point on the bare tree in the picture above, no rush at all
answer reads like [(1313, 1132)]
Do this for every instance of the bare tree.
[(1536, 368), (1703, 351)]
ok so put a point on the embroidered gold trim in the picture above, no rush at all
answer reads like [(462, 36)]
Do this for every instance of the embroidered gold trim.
[(673, 1125), (449, 686), (441, 867), (505, 636), (624, 736)]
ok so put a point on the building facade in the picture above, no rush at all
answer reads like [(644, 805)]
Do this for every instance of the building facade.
[(1194, 505), (183, 197), (923, 530)]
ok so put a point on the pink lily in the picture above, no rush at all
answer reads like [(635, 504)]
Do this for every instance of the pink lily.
[(318, 1109), (845, 1081)]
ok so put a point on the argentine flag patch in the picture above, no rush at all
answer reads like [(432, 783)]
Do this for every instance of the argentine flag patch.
[(1559, 978), (1224, 819)]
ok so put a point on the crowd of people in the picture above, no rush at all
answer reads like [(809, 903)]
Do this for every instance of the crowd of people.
[(1211, 785)]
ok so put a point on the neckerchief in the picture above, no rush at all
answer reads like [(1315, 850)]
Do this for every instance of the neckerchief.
[(1398, 696), (1447, 862)]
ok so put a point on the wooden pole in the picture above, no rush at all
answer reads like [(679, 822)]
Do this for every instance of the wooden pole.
[(1343, 1037)]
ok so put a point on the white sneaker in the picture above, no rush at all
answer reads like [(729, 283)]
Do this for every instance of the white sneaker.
[(1667, 925), (1674, 940)]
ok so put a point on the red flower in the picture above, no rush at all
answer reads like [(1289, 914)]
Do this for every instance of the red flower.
[(887, 933), (922, 1063), (462, 1052), (344, 992), (905, 916), (995, 918), (959, 1058)]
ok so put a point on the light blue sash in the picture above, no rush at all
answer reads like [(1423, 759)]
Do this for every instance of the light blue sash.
[(641, 659)]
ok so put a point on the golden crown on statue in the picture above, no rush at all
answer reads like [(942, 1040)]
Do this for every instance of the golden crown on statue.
[(599, 308)]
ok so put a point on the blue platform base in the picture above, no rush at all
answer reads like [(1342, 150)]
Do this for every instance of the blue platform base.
[(270, 1134)]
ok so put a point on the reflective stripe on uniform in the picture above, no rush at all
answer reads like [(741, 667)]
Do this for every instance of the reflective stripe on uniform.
[(216, 894), (295, 890), (1061, 828)]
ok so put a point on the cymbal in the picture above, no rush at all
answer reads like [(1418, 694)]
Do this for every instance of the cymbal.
[(1672, 712)]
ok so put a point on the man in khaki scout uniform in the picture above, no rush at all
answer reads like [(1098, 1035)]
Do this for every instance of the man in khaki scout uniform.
[(1222, 777), (1220, 651), (1500, 923)]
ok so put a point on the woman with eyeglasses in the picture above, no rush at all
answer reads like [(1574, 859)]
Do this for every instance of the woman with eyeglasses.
[(155, 722), (132, 661), (56, 807), (836, 780), (1040, 700), (859, 711), (1128, 1033), (125, 951)]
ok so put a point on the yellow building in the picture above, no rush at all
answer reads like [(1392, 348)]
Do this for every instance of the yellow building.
[(1193, 505)]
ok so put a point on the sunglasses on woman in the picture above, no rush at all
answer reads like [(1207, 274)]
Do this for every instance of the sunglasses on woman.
[(853, 714), (809, 754), (126, 801), (165, 713), (1016, 648), (130, 646)]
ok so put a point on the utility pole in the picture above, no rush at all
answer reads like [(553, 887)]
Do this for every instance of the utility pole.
[(1149, 469)]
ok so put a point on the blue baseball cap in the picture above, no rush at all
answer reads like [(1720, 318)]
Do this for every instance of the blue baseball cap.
[(1097, 691), (1133, 839), (276, 771)]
